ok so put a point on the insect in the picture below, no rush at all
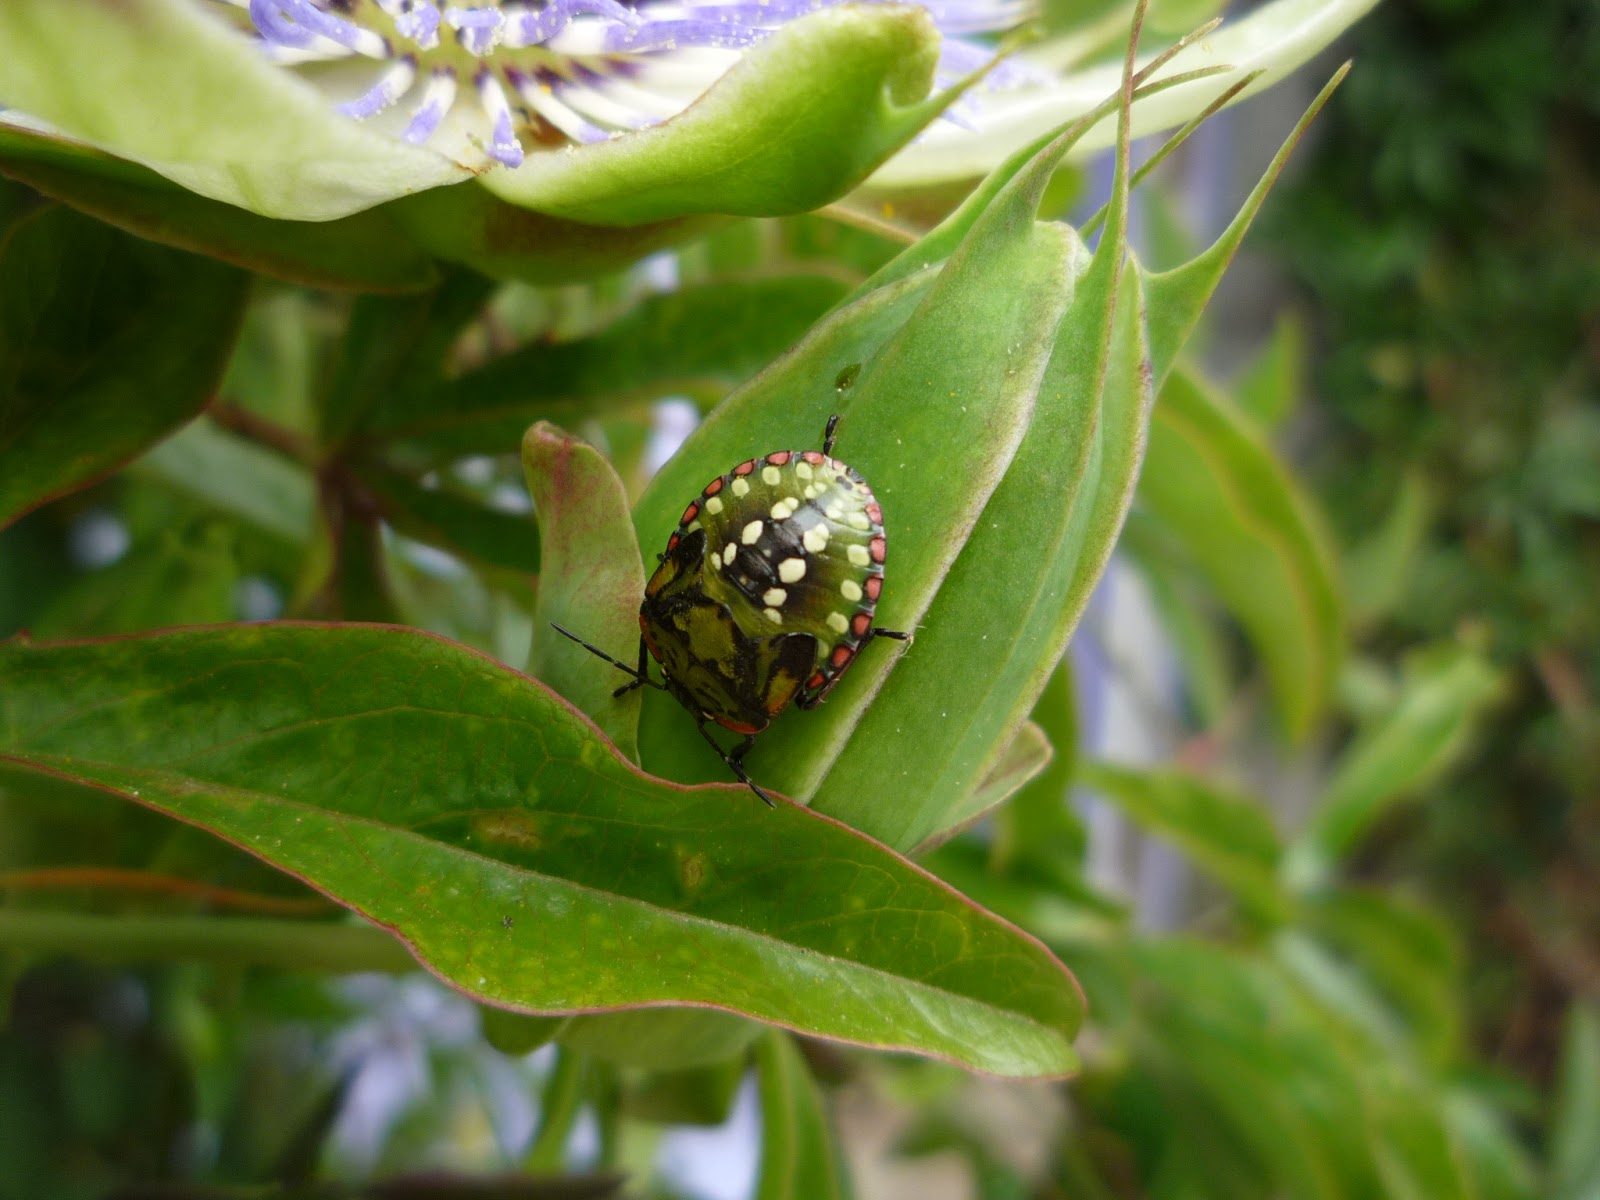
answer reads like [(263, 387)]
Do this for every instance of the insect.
[(765, 594)]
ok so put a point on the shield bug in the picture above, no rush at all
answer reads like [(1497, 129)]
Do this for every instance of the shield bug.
[(765, 594)]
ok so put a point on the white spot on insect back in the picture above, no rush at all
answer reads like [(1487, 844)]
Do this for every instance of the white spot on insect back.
[(771, 476), (858, 520), (792, 570), (850, 590), (838, 622), (740, 486), (815, 539), (858, 556), (752, 534), (772, 615), (716, 559), (785, 508), (728, 552), (713, 505), (803, 469), (775, 597)]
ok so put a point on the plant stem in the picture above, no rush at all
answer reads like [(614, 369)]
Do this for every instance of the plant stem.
[(563, 1096)]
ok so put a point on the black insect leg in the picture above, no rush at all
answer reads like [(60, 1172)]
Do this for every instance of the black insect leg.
[(641, 674), (735, 759), (878, 632), (827, 435)]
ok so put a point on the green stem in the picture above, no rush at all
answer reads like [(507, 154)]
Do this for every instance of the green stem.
[(563, 1097), (295, 945)]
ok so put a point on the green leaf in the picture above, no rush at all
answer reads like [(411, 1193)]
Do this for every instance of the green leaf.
[(960, 374), (1212, 481), (107, 344), (592, 580), (1229, 836), (699, 341), (165, 84), (1039, 827), (494, 830), (693, 1096), (1397, 757), (1574, 1148), (183, 577), (238, 478), (1379, 570), (1187, 614), (469, 226), (455, 522), (800, 119), (366, 251), (1416, 1159), (1270, 387), (1025, 758), (1493, 1156), (657, 1039), (389, 344), (1407, 953), (1177, 297), (799, 1160)]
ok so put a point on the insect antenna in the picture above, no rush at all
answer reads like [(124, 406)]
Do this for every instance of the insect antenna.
[(640, 674)]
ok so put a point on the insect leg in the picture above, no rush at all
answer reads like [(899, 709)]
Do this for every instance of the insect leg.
[(641, 674), (878, 631), (735, 759), (827, 435)]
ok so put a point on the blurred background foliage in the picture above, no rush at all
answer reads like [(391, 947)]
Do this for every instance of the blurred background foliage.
[(1335, 915)]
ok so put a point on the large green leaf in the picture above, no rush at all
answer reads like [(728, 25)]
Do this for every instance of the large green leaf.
[(480, 817), (107, 344), (1212, 481)]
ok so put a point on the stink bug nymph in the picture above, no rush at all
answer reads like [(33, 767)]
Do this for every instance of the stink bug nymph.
[(765, 594)]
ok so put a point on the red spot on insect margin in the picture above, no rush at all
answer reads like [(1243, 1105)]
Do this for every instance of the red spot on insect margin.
[(690, 513), (814, 457), (736, 726), (861, 624), (745, 467), (872, 587), (874, 513), (672, 543), (841, 656), (817, 680), (713, 487), (877, 547), (779, 458)]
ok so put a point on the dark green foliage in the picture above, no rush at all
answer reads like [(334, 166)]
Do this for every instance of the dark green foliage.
[(1450, 234)]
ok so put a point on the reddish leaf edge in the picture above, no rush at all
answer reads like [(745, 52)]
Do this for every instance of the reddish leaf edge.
[(723, 789)]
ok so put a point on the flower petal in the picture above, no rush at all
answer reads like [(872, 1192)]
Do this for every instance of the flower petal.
[(165, 84), (1275, 39)]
